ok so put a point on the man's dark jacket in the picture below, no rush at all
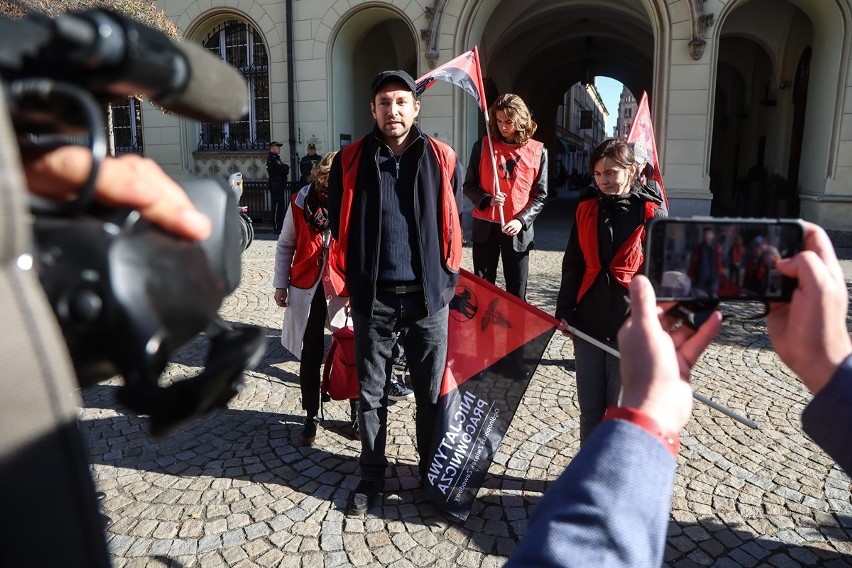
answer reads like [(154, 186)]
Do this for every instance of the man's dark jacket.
[(363, 247), (277, 171), (306, 164)]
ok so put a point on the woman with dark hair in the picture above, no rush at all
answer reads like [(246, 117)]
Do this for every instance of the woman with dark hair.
[(303, 284), (516, 187), (604, 251)]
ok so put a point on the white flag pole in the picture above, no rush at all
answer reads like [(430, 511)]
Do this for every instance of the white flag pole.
[(699, 397)]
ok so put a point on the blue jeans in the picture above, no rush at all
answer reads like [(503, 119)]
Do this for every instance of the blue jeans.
[(424, 339), (598, 384)]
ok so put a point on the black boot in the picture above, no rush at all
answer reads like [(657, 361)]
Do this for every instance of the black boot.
[(309, 432)]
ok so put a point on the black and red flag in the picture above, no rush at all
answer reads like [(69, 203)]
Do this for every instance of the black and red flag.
[(463, 71), (495, 343)]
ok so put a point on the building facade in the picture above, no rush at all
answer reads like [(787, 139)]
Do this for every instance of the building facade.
[(580, 126), (751, 99), (627, 106)]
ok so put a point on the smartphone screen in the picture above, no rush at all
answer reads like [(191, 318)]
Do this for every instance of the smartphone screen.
[(721, 259)]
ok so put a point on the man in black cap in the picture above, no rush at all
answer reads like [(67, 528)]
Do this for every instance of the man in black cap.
[(392, 209), (278, 172), (307, 162)]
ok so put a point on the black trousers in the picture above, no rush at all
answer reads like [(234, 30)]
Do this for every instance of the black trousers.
[(398, 318), (313, 353), (516, 265)]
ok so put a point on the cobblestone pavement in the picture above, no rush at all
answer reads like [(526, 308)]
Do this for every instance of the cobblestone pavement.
[(235, 488)]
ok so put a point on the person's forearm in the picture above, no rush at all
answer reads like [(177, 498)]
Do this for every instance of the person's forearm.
[(610, 507), (828, 417)]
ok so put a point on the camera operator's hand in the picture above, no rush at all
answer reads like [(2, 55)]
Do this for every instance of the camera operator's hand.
[(130, 181), (809, 333), (655, 364)]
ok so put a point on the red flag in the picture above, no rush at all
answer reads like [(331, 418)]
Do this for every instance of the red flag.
[(642, 132), (495, 342), (463, 71)]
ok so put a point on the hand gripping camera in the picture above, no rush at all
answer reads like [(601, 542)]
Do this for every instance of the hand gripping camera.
[(126, 293)]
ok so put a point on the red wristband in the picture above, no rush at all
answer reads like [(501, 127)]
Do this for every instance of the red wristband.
[(670, 440)]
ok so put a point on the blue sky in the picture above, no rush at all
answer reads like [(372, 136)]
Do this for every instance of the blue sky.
[(610, 91)]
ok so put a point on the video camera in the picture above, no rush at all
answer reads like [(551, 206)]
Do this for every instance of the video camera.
[(126, 293)]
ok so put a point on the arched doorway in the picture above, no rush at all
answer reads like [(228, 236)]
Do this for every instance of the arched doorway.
[(367, 42), (787, 150), (753, 133), (538, 50), (745, 107)]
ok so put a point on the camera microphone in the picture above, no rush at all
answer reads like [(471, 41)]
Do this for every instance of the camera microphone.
[(112, 55)]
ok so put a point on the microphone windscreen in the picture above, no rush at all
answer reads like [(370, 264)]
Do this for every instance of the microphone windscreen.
[(215, 91)]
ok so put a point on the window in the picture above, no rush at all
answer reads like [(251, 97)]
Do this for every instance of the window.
[(238, 44), (127, 126)]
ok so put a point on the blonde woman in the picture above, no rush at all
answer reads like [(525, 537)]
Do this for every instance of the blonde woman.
[(516, 183)]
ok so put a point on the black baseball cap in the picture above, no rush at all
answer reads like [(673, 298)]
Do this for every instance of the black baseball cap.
[(312, 145), (397, 76), (271, 144)]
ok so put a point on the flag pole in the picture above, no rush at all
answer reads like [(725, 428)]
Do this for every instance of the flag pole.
[(496, 187), (484, 108), (697, 396)]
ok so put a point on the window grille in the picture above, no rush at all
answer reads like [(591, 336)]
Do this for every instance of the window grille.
[(240, 45)]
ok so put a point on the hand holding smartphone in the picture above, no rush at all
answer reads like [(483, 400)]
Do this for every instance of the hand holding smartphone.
[(707, 259)]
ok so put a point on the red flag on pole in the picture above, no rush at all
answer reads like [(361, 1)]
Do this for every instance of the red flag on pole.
[(642, 132), (463, 71), (495, 342)]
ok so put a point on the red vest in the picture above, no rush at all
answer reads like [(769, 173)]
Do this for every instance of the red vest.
[(305, 269), (627, 259), (517, 169), (451, 245)]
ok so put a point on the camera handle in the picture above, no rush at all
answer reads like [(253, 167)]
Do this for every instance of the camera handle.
[(30, 100), (693, 313)]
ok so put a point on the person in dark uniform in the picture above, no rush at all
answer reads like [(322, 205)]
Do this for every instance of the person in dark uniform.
[(278, 172), (307, 162)]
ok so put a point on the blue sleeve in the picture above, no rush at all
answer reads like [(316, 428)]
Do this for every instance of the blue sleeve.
[(609, 508), (828, 417)]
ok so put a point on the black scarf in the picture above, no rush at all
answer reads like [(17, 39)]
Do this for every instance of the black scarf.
[(615, 204), (316, 210)]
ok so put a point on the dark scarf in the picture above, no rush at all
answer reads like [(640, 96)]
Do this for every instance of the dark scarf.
[(615, 204), (316, 210)]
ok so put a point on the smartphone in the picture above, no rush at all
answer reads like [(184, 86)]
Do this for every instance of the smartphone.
[(708, 258)]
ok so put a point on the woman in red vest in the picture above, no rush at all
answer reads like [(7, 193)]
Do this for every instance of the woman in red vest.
[(304, 283), (604, 251), (514, 183)]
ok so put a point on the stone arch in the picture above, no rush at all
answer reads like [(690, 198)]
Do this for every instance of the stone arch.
[(199, 26), (545, 64), (367, 39), (824, 27)]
